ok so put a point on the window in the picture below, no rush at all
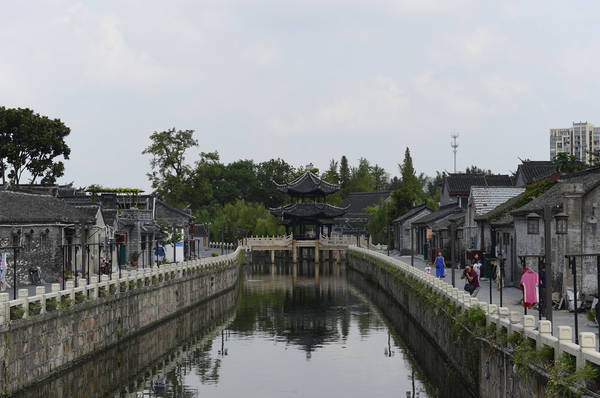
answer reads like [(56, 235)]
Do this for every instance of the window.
[(44, 240), (16, 239), (27, 243)]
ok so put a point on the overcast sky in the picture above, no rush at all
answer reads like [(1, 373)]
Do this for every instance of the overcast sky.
[(305, 81)]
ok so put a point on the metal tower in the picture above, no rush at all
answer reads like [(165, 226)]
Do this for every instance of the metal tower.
[(454, 145)]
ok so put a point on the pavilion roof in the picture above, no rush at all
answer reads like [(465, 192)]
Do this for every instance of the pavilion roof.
[(312, 210), (307, 184)]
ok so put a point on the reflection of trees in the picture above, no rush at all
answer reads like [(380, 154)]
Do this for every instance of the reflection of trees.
[(306, 314)]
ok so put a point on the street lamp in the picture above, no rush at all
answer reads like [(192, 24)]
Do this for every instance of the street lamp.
[(533, 228), (533, 224)]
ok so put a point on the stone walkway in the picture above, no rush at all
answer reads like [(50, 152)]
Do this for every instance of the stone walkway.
[(512, 299)]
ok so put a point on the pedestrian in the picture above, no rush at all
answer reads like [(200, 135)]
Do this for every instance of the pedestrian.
[(499, 277), (472, 278), (428, 269), (477, 268), (440, 266), (476, 259)]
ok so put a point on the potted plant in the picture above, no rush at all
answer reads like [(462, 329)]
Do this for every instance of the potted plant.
[(135, 255)]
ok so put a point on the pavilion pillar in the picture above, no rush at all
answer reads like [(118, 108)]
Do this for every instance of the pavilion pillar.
[(317, 251), (272, 256), (330, 256), (339, 256), (294, 253)]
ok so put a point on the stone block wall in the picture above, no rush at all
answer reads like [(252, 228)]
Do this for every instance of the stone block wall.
[(38, 346), (468, 353)]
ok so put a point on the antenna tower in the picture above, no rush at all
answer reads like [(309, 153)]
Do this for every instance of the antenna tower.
[(454, 145)]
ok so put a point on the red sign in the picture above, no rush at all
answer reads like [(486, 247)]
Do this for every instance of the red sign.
[(429, 234), (121, 236), (192, 229)]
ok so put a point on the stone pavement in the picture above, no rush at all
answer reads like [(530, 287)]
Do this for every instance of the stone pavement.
[(511, 298)]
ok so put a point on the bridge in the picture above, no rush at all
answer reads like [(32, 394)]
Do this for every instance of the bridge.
[(316, 247)]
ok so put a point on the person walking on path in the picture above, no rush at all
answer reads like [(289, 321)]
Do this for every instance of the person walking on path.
[(471, 276), (440, 266), (499, 276)]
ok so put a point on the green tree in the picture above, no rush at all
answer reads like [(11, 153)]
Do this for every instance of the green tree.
[(268, 173), (409, 178), (477, 170), (332, 175), (566, 163), (178, 182), (30, 142), (361, 179), (378, 220), (401, 202), (378, 176), (344, 177)]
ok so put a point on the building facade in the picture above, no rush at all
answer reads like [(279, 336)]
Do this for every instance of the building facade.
[(578, 140)]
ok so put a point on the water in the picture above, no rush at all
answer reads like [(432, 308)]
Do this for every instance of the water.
[(276, 335)]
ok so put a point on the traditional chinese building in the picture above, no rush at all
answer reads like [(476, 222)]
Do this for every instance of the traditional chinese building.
[(308, 214)]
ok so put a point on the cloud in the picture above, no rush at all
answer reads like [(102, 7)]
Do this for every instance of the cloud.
[(375, 103), (109, 60), (264, 54)]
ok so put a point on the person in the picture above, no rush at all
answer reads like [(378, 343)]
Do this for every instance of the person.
[(473, 279), (477, 268), (499, 277), (428, 269), (440, 266), (542, 303), (476, 259)]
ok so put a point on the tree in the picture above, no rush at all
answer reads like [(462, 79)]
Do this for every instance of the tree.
[(379, 182), (361, 179), (30, 142), (178, 182), (344, 176), (331, 175), (401, 202), (566, 163), (409, 179), (477, 170)]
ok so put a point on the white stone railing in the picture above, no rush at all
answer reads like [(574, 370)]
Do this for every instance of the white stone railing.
[(337, 240), (512, 321), (104, 287), (284, 240)]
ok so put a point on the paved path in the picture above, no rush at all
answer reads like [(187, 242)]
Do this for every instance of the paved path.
[(512, 299)]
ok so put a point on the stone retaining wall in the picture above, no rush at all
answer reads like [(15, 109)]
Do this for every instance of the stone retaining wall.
[(467, 353), (37, 346)]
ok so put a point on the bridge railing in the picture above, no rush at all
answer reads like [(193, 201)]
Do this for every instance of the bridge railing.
[(269, 240)]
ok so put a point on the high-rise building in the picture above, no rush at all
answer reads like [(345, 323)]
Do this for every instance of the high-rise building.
[(579, 140)]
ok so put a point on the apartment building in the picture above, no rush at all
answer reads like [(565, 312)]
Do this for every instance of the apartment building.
[(578, 140)]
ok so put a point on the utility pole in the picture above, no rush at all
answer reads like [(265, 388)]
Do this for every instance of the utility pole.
[(454, 145)]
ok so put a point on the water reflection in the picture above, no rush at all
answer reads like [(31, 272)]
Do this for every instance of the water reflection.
[(304, 330)]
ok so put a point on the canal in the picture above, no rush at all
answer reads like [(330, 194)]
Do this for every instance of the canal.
[(298, 331)]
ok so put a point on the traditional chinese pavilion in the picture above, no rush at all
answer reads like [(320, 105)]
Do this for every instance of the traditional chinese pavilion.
[(308, 210)]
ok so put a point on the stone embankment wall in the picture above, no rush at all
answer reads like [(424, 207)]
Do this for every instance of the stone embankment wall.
[(76, 323), (525, 361)]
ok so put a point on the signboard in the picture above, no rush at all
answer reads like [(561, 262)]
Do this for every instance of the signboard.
[(429, 234), (192, 229), (121, 236)]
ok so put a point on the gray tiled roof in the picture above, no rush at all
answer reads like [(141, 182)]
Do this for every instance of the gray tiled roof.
[(444, 211), (533, 171), (321, 210), (308, 183), (16, 207), (359, 201), (412, 212), (485, 199), (554, 197), (462, 183)]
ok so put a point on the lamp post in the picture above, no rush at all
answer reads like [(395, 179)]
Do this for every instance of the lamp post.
[(533, 228)]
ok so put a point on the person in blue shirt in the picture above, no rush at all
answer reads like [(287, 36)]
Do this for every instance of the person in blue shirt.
[(440, 266)]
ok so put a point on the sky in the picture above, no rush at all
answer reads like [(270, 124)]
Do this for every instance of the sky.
[(305, 81)]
